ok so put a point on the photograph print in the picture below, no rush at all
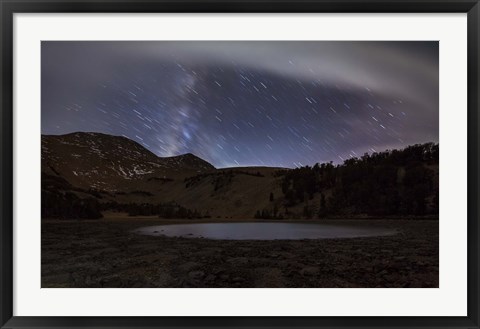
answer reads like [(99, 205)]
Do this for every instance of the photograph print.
[(240, 164)]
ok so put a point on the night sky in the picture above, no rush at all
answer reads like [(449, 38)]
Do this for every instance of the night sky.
[(245, 103)]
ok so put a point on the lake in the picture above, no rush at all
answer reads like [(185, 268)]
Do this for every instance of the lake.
[(264, 231)]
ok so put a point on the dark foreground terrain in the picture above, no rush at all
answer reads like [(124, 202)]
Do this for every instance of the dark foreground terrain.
[(105, 253)]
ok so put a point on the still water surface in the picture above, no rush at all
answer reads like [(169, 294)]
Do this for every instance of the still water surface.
[(264, 231)]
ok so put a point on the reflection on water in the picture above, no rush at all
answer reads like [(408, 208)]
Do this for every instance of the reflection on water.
[(263, 231)]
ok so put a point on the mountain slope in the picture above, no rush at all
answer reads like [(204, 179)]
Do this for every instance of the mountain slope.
[(116, 170), (105, 162)]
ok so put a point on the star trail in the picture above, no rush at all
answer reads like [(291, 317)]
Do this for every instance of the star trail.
[(244, 103)]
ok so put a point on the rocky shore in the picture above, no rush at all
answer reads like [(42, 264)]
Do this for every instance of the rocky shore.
[(106, 253)]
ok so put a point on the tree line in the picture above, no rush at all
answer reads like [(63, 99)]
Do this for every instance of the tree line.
[(162, 210), (398, 182), (67, 205)]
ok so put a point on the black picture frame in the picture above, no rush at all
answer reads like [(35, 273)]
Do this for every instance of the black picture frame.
[(10, 7)]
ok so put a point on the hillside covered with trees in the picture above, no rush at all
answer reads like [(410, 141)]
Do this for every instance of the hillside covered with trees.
[(392, 183)]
